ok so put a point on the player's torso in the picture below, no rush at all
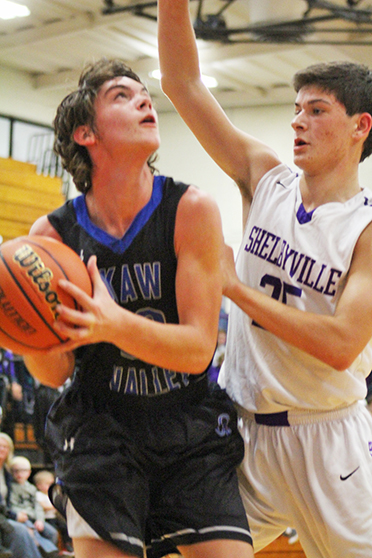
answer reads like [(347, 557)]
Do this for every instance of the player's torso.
[(302, 260), (139, 271)]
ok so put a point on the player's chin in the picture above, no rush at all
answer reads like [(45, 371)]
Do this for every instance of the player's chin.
[(297, 157), (302, 158)]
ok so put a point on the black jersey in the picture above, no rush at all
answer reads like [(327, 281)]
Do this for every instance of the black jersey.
[(139, 271)]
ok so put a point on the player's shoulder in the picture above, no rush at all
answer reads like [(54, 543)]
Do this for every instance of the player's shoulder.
[(42, 226), (197, 203), (198, 221)]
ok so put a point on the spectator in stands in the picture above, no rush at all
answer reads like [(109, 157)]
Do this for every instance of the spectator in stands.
[(24, 503), (43, 480), (18, 539), (21, 397)]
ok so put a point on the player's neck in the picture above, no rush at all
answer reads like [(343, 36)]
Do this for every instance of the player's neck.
[(115, 199), (319, 189)]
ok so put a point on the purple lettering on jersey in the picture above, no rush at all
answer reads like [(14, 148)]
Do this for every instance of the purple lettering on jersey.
[(302, 268), (257, 243), (333, 275), (316, 287), (248, 247), (269, 257)]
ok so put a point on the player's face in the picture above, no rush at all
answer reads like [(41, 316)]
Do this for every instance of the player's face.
[(322, 131), (125, 117)]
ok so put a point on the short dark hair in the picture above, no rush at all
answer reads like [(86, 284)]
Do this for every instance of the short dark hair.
[(350, 83), (77, 109)]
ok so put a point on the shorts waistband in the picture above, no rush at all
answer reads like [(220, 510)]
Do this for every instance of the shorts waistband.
[(294, 417)]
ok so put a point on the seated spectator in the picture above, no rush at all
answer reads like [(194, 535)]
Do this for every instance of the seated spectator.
[(43, 480), (24, 503), (17, 537)]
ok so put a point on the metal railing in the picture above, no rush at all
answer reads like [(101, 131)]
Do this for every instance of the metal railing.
[(41, 154)]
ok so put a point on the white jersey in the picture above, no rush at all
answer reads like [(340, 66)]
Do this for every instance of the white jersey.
[(301, 259)]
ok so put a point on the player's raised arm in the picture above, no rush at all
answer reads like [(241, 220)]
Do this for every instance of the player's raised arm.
[(242, 157)]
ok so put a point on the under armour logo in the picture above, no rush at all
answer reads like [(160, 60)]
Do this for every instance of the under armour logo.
[(69, 444), (370, 448), (223, 428)]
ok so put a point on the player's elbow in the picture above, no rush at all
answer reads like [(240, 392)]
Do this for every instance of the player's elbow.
[(177, 90), (52, 383), (202, 359), (341, 364), (172, 90), (49, 380), (342, 358)]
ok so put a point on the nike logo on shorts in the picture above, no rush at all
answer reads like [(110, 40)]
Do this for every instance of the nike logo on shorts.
[(349, 475)]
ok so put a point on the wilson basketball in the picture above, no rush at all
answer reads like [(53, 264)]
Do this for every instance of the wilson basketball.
[(30, 268)]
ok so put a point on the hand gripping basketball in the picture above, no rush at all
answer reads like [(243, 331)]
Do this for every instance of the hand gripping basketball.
[(30, 268)]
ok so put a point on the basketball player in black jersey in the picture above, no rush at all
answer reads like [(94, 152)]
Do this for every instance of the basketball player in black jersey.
[(145, 450)]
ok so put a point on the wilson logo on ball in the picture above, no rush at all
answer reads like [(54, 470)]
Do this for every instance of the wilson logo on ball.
[(40, 275)]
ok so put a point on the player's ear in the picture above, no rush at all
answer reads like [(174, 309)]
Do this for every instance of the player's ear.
[(363, 124), (84, 135)]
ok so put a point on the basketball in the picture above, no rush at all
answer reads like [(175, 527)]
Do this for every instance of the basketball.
[(30, 268)]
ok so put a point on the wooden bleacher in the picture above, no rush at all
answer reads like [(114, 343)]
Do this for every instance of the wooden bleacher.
[(282, 549), (26, 445), (25, 196)]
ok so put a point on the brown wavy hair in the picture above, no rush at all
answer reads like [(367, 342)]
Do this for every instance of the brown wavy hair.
[(77, 109)]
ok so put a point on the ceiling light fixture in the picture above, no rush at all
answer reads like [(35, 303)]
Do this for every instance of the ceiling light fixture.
[(10, 10), (208, 81)]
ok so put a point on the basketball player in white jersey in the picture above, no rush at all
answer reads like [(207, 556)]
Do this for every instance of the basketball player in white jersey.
[(298, 348)]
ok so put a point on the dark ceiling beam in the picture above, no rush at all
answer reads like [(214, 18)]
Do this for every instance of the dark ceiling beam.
[(213, 27)]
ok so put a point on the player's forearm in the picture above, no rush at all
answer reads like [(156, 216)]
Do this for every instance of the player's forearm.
[(178, 55), (324, 337), (182, 348), (40, 367)]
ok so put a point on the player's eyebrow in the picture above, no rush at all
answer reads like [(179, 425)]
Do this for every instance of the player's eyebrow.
[(125, 87), (314, 101)]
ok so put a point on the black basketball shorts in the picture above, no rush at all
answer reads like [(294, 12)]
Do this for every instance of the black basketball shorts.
[(152, 471)]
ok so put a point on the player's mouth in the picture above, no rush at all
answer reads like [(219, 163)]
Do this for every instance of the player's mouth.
[(299, 143), (150, 119)]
